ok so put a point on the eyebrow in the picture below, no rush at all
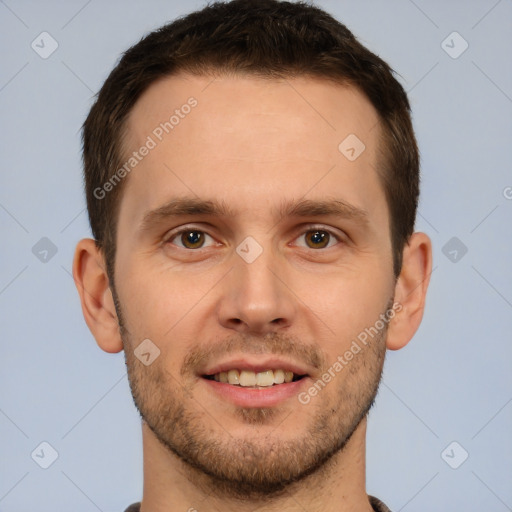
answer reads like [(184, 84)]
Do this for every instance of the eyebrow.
[(190, 206)]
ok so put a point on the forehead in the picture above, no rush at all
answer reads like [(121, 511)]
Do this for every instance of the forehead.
[(258, 137), (308, 105)]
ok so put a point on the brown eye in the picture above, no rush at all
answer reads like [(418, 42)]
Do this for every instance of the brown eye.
[(192, 239), (317, 239)]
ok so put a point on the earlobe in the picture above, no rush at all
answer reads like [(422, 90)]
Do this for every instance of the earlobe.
[(410, 291), (98, 308)]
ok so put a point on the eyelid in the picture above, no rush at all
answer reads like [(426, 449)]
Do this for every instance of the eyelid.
[(302, 230), (170, 235), (306, 228)]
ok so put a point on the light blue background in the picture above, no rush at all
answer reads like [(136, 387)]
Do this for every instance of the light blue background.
[(453, 382)]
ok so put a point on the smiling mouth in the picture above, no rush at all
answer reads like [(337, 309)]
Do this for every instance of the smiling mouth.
[(250, 379)]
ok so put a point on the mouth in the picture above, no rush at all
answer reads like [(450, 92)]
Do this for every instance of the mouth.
[(246, 378), (249, 381)]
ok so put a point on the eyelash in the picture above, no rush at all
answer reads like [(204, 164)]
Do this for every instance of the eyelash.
[(309, 229)]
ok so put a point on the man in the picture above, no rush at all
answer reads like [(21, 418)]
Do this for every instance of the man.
[(252, 181)]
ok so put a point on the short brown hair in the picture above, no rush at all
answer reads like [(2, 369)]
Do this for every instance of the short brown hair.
[(264, 38)]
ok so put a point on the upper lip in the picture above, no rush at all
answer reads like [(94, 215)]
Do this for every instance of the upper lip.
[(256, 365)]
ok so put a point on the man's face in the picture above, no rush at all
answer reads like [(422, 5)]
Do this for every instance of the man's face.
[(294, 296)]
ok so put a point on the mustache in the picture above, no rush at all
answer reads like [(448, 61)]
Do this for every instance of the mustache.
[(271, 343)]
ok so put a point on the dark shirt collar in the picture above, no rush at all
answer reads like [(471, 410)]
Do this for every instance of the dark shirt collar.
[(376, 504)]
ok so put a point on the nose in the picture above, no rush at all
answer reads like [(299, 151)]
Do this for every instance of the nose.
[(255, 298)]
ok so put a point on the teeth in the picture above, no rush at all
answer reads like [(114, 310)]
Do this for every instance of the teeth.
[(279, 376), (265, 378), (234, 377), (247, 378)]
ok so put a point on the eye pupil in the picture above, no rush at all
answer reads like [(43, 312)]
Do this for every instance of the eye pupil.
[(318, 238), (192, 239)]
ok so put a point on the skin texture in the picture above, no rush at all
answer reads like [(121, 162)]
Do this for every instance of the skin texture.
[(253, 145)]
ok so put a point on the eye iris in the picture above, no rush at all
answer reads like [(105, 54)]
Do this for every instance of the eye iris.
[(192, 239), (319, 239)]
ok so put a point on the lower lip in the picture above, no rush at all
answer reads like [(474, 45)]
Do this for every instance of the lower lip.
[(256, 397)]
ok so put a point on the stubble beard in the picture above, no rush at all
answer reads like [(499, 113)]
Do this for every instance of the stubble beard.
[(256, 467)]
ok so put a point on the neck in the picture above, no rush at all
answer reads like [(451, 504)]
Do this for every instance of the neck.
[(171, 485)]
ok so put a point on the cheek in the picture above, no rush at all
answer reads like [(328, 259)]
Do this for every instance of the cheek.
[(344, 305), (163, 304)]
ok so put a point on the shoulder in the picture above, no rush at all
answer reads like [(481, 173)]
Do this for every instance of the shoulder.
[(133, 508), (377, 505)]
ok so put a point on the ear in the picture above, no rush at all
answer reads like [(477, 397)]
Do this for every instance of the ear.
[(410, 291), (91, 280)]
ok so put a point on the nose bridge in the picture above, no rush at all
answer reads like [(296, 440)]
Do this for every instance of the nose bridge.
[(256, 298)]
